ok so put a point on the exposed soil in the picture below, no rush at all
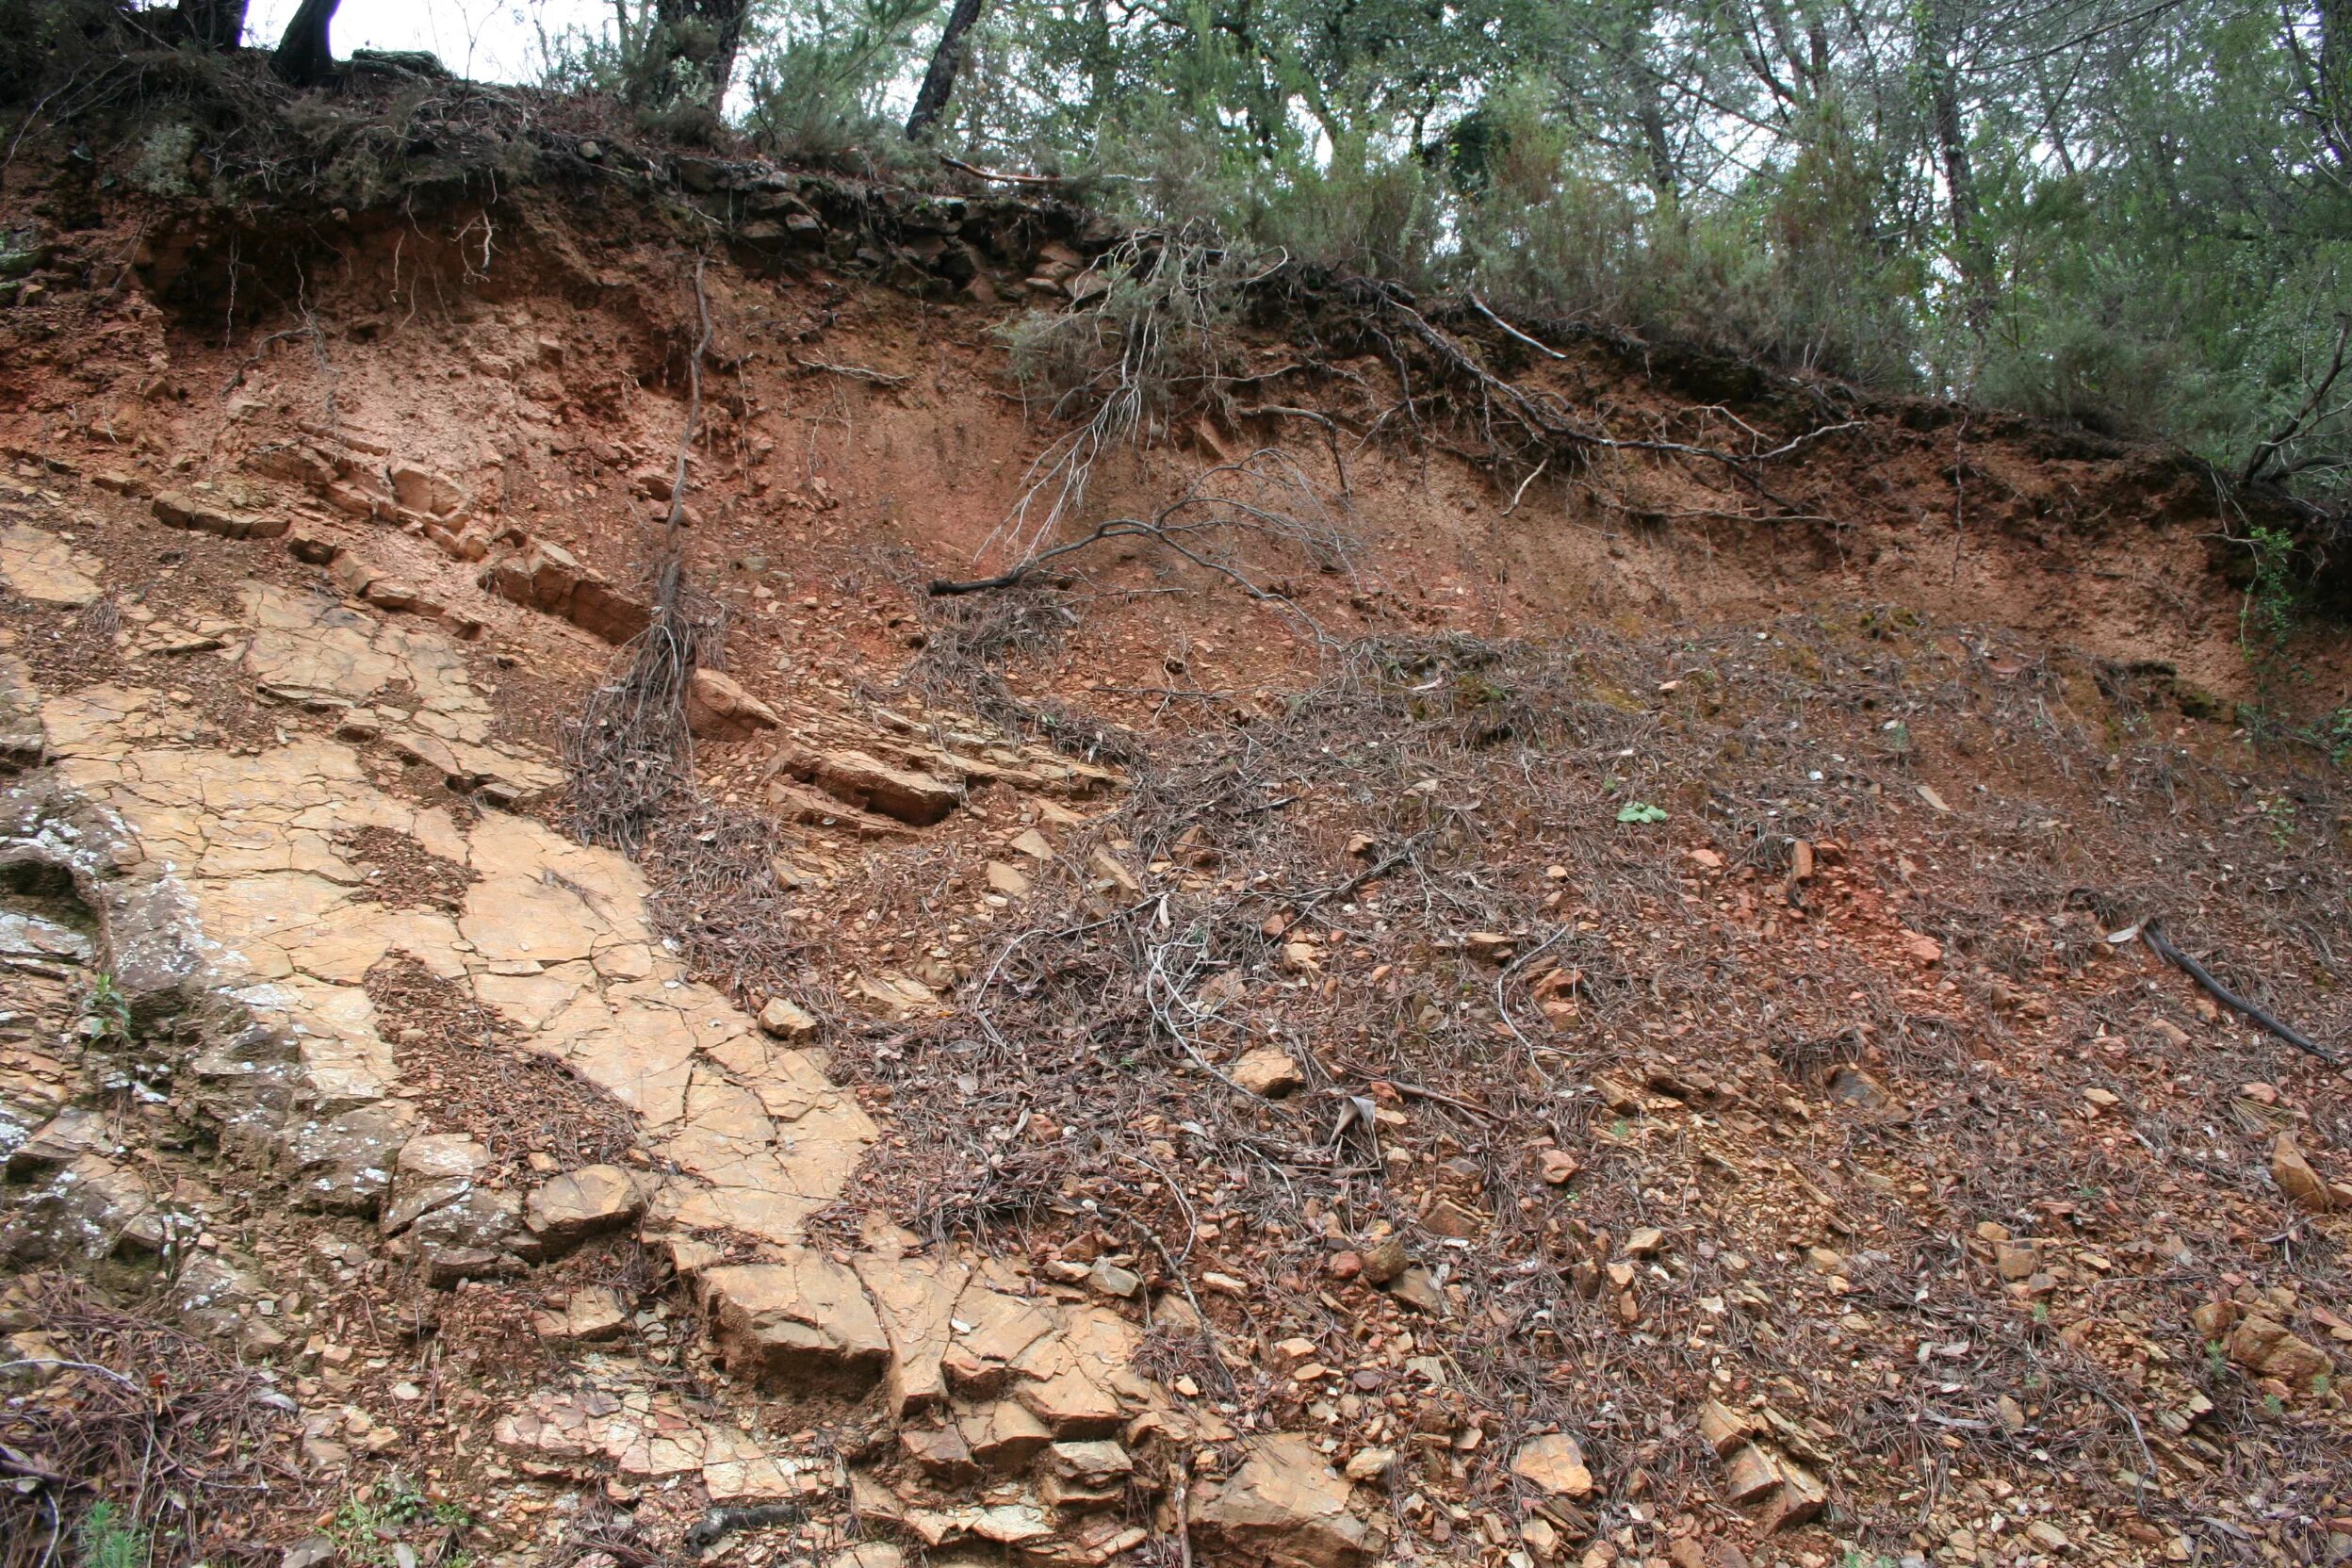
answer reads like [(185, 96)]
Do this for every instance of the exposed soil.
[(1683, 914)]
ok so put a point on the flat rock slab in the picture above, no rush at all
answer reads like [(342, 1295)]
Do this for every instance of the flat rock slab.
[(39, 566)]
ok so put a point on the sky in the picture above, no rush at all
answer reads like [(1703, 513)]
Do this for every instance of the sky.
[(489, 40)]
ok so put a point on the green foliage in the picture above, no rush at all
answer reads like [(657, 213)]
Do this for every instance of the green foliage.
[(1640, 811), (2266, 619), (106, 1540), (816, 79), (107, 1010), (369, 1521)]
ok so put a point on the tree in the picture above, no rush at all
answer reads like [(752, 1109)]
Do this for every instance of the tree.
[(938, 83), (304, 56), (689, 51), (214, 23)]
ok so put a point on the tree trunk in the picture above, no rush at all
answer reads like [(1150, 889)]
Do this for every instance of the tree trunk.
[(214, 23), (304, 56), (1951, 143), (938, 83), (704, 36)]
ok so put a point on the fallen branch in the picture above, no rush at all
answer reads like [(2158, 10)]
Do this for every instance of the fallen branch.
[(2152, 933)]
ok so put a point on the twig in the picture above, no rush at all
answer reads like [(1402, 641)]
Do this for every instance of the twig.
[(1515, 495), (854, 372), (1542, 349), (979, 174)]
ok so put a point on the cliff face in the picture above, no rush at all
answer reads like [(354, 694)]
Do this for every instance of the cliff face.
[(651, 907)]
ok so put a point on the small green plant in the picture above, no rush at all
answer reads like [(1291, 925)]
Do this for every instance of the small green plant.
[(108, 1540), (107, 1008), (2266, 619), (2216, 1362), (2332, 734), (364, 1524), (1640, 811)]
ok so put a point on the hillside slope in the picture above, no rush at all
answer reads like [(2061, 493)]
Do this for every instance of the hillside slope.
[(1553, 950)]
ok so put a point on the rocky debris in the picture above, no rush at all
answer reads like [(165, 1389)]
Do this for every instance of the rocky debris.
[(1386, 1260), (2267, 1348), (430, 1170), (543, 576), (421, 489), (570, 1208), (342, 1164), (1081, 1476), (91, 1208), (1003, 1436), (64, 1138), (2294, 1176), (801, 1323), (1554, 1466), (797, 802), (718, 708), (1009, 881), (23, 741), (1269, 1070), (592, 1316), (861, 781), (178, 509), (42, 568), (788, 1020), (1418, 1288), (1285, 1508), (917, 1300)]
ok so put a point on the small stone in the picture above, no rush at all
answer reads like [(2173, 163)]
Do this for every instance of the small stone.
[(943, 1454), (2047, 1536), (581, 1204), (1555, 1464), (1268, 1071), (1386, 1260), (788, 1020), (1646, 1242), (2296, 1177), (1721, 1428), (1284, 1505), (1749, 1474), (1367, 1463), (1111, 1280), (593, 1314), (718, 708), (1417, 1287), (1559, 1166), (1449, 1219), (1009, 881), (316, 1552), (1799, 1499)]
